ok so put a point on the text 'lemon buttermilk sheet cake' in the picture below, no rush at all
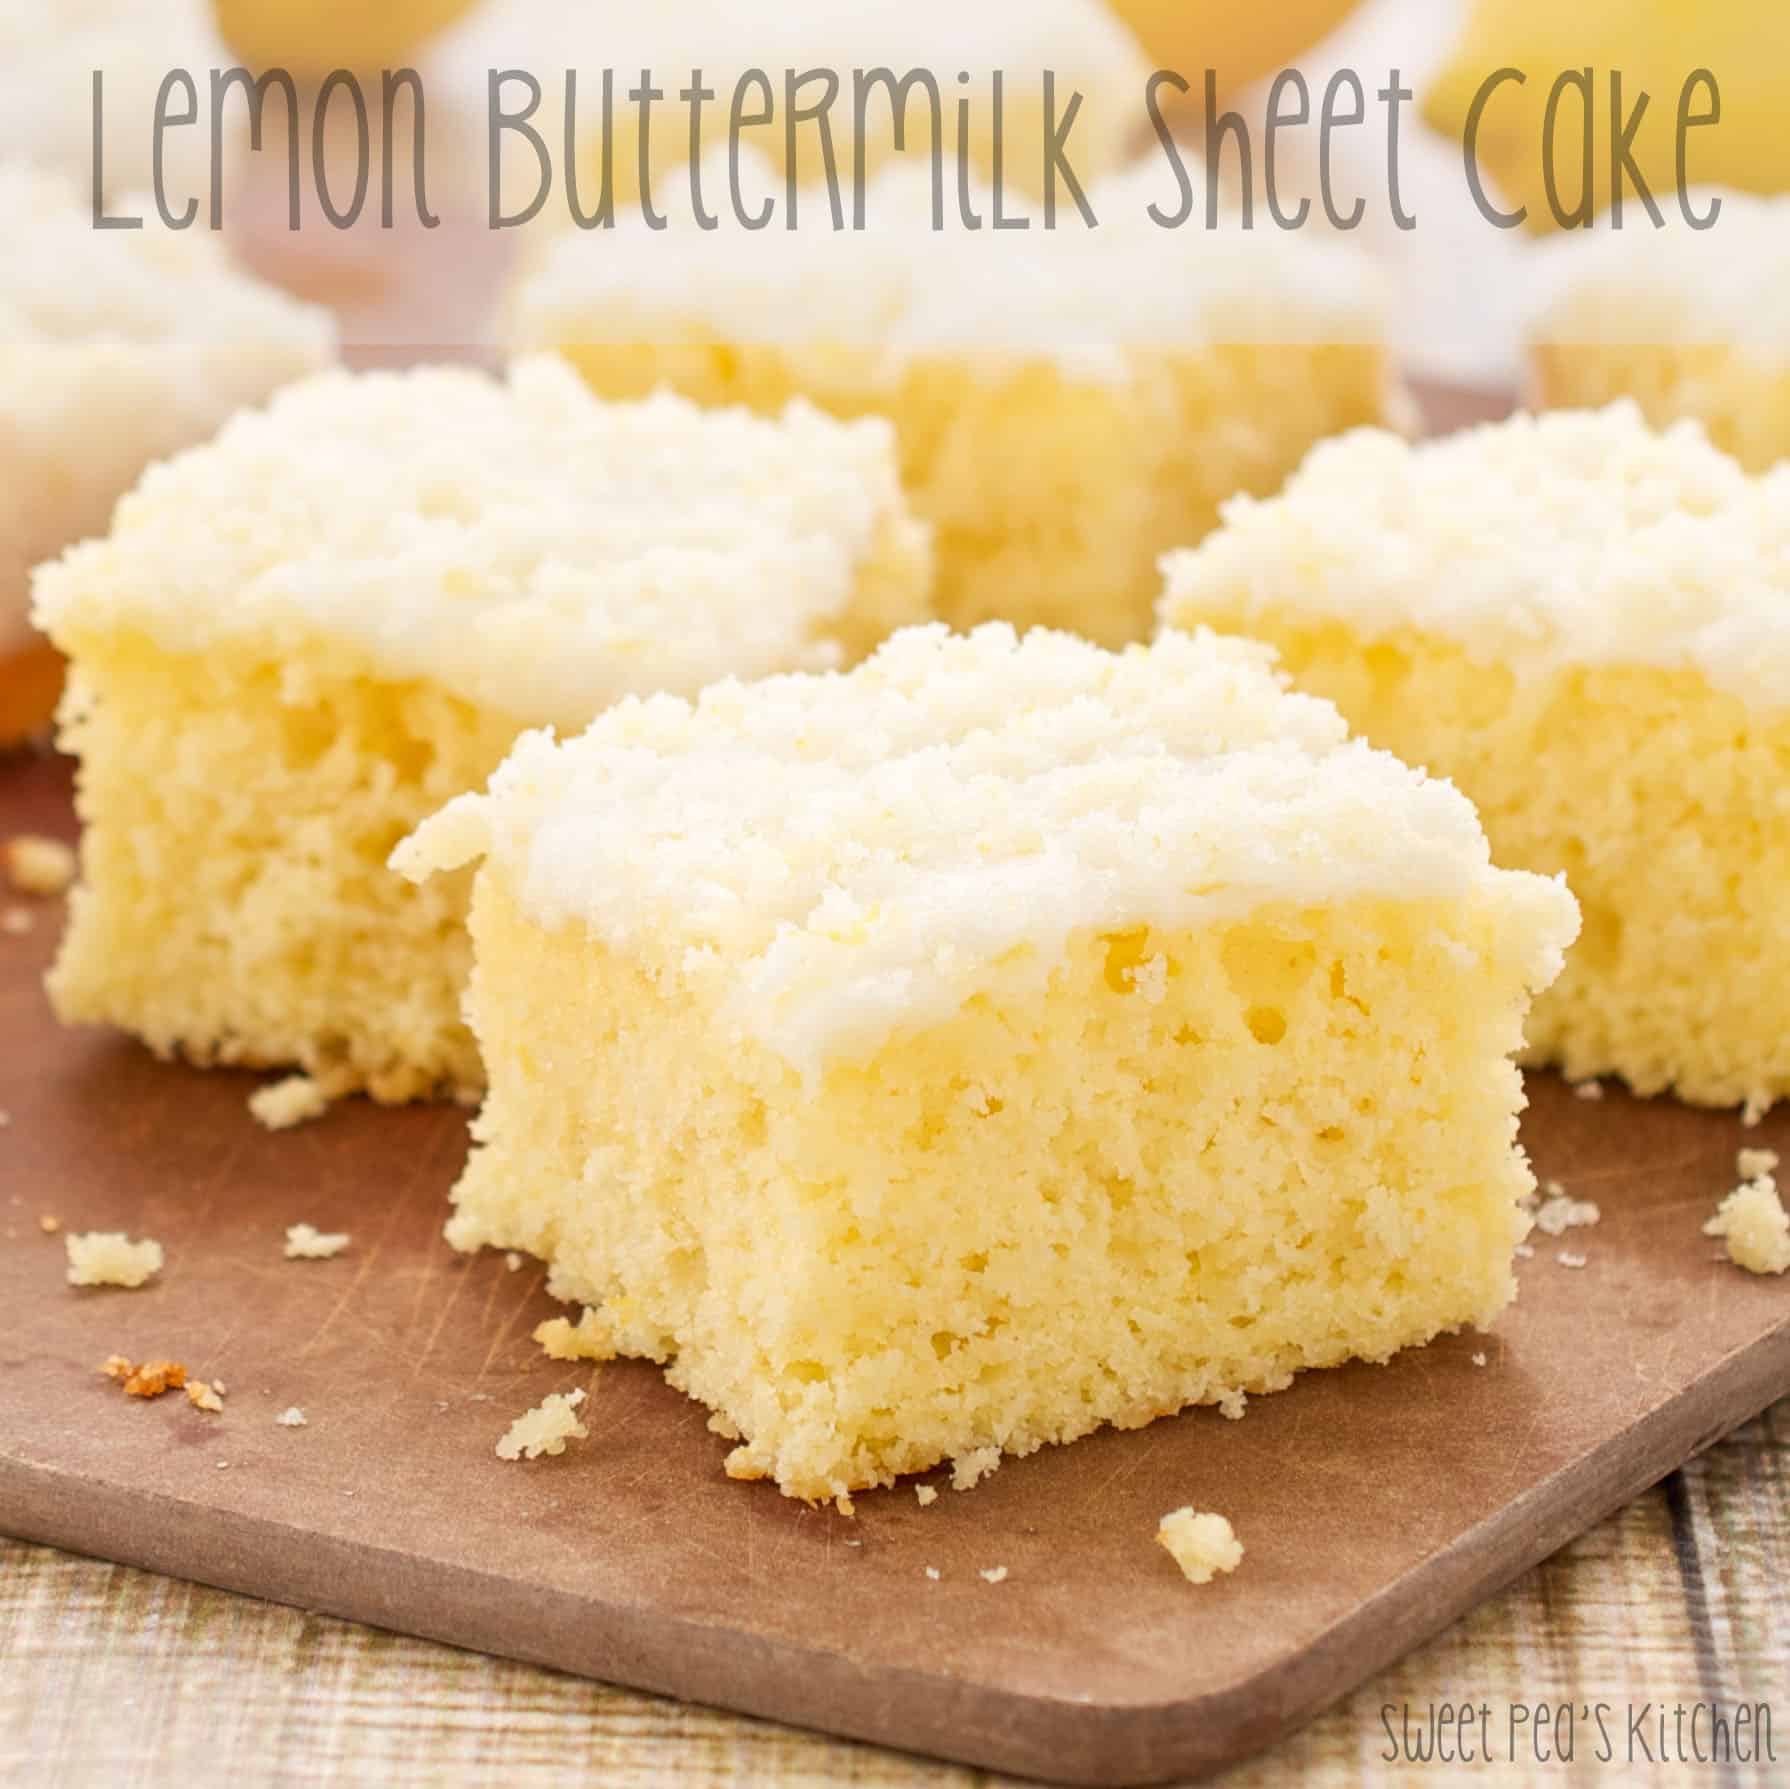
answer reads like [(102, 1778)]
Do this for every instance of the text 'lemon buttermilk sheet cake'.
[(1586, 624), (1688, 323), (303, 638), (1001, 1040), (115, 348), (1096, 103), (1070, 403)]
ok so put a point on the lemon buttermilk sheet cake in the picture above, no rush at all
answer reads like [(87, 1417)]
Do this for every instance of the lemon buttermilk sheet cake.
[(1001, 1040), (1687, 323), (301, 639), (115, 348), (1586, 624), (1070, 404)]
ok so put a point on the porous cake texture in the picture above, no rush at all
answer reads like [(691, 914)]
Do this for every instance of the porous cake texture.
[(1001, 1040), (116, 347), (1070, 404), (1687, 323), (1586, 625), (302, 639)]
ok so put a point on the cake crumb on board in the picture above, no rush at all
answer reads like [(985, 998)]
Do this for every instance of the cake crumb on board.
[(587, 1339), (284, 1105), (1202, 1544), (292, 1417), (150, 1380), (1568, 1258), (927, 1494), (40, 866), (16, 921), (995, 1574), (1753, 1226), (969, 1470), (545, 1429), (203, 1396), (110, 1258), (304, 1242), (49, 1224), (1561, 1212)]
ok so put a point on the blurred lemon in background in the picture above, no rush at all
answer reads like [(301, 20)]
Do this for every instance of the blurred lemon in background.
[(1242, 42), (1656, 45), (312, 37)]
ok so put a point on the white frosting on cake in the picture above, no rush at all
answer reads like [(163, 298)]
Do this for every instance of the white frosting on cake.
[(1084, 298), (48, 56), (1574, 538), (861, 853), (1676, 286), (520, 542)]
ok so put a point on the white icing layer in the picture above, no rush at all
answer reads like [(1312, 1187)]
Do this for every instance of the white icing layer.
[(856, 854), (1569, 539), (519, 542)]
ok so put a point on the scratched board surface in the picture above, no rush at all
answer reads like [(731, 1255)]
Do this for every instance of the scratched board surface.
[(1376, 1503)]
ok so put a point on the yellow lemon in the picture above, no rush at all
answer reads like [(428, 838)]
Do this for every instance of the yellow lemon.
[(1654, 46), (1241, 42), (312, 37)]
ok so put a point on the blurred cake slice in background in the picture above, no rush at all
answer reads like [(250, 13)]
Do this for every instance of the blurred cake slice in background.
[(1585, 624), (1069, 404), (116, 348), (1686, 322)]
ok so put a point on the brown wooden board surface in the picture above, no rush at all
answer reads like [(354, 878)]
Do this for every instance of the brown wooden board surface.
[(1376, 1504)]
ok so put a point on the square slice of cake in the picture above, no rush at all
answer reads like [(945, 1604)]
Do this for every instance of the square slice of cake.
[(1070, 404), (300, 640), (1688, 323), (116, 347), (1586, 625), (997, 1041)]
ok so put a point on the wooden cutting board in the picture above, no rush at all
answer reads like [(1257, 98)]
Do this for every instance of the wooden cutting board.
[(1376, 1503)]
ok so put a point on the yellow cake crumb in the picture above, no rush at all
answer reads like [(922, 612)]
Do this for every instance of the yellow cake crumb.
[(1570, 1258), (1755, 1164), (969, 1470), (1202, 1545), (110, 1258), (1754, 1227), (203, 1396), (49, 1223), (1559, 1213), (153, 1378), (1588, 1090), (996, 1574), (932, 1572), (304, 1242), (591, 1338), (118, 1366), (927, 1494), (296, 1100), (545, 1429), (39, 866), (292, 1417)]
